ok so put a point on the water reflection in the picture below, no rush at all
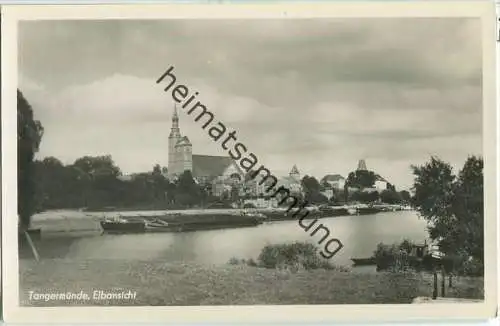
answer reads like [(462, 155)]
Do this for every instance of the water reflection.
[(359, 234)]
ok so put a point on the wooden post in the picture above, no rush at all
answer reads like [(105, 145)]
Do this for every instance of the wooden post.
[(443, 278), (33, 249), (435, 290)]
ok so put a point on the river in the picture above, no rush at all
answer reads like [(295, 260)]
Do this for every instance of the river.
[(359, 235)]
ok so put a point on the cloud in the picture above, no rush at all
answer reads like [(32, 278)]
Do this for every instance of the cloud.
[(317, 93)]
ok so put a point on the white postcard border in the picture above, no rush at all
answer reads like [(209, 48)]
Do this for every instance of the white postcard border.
[(248, 314)]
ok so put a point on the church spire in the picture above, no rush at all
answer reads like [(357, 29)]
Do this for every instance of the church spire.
[(175, 116), (175, 131), (294, 173)]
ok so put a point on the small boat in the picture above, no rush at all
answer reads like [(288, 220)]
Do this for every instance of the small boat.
[(364, 261), (258, 216), (352, 211), (121, 225)]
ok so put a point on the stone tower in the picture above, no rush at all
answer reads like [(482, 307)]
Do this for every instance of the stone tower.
[(184, 155), (294, 173), (362, 165), (173, 138), (180, 149)]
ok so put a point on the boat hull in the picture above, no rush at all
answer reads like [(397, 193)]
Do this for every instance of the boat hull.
[(364, 261), (180, 223), (123, 227)]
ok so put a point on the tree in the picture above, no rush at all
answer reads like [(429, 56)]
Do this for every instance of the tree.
[(310, 184), (454, 206), (405, 196), (159, 183), (365, 196), (50, 178), (361, 179), (468, 208), (188, 192), (29, 136), (390, 197), (312, 190), (97, 166)]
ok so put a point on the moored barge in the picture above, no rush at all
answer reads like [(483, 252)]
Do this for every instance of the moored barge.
[(180, 223)]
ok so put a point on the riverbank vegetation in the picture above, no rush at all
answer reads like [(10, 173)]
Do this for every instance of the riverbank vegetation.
[(289, 256), (454, 207)]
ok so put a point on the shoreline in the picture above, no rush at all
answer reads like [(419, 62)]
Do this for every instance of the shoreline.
[(71, 221)]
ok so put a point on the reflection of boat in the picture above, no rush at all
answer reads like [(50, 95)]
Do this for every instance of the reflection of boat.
[(364, 261)]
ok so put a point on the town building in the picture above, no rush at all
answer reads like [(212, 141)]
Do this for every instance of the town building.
[(292, 182), (221, 172), (380, 185)]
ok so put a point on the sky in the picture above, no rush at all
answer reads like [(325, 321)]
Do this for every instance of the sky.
[(318, 93)]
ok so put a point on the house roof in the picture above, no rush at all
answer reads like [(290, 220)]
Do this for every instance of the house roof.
[(332, 177), (379, 178), (210, 166)]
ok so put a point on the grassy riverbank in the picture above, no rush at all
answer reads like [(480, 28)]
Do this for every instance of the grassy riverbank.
[(160, 283)]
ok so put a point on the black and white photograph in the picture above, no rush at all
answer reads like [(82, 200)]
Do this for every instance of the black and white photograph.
[(269, 159)]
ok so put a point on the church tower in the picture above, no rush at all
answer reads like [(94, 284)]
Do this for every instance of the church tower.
[(173, 138), (184, 154), (294, 173), (362, 165)]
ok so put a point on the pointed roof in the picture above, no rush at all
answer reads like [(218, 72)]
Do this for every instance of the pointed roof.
[(294, 170)]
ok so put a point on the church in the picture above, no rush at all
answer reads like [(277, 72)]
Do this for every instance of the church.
[(206, 169), (221, 173)]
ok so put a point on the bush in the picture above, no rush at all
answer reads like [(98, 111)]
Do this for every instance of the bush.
[(396, 257), (393, 257), (470, 267), (293, 256), (252, 262), (298, 255)]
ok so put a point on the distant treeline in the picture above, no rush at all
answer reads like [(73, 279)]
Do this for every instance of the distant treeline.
[(93, 182)]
